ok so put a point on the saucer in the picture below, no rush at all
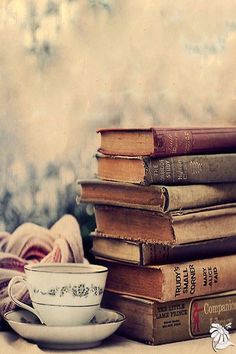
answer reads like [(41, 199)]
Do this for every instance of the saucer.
[(105, 323)]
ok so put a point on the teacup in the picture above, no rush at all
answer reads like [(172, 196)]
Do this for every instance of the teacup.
[(62, 294)]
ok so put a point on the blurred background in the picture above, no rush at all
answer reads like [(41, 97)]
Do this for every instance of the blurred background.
[(68, 67)]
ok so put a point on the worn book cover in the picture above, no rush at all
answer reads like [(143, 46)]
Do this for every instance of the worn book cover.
[(175, 170), (154, 323), (143, 253), (171, 282), (177, 227), (155, 197), (167, 141)]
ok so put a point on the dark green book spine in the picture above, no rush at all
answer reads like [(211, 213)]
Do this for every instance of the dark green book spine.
[(215, 168)]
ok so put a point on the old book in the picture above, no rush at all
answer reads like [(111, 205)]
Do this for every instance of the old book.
[(167, 141), (179, 227), (176, 170), (171, 282), (141, 253), (155, 197), (155, 323)]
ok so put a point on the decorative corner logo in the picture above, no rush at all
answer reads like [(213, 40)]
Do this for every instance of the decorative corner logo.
[(220, 336)]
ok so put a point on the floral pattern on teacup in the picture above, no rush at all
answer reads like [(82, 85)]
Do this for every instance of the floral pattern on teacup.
[(80, 290)]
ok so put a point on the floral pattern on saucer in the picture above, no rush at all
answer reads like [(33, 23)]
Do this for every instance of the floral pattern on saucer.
[(80, 290)]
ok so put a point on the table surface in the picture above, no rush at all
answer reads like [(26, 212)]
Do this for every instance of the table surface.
[(11, 343)]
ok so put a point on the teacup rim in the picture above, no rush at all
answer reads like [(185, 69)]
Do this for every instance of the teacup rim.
[(95, 268)]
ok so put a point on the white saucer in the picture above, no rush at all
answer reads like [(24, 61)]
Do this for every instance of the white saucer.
[(105, 323)]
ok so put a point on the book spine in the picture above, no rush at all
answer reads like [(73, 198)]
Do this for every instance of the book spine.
[(154, 253), (192, 251), (171, 282), (192, 141), (159, 198), (198, 195), (172, 321), (199, 277), (150, 254), (212, 223), (190, 169)]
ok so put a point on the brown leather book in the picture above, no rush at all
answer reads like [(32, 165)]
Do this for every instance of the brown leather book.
[(167, 141), (155, 197), (175, 170), (155, 323), (143, 253), (177, 227), (171, 282)]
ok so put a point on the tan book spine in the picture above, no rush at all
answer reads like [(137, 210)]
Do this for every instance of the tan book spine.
[(202, 224), (199, 277), (199, 195), (157, 323), (172, 282)]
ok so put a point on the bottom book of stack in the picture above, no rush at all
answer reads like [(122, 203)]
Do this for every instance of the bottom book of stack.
[(153, 322)]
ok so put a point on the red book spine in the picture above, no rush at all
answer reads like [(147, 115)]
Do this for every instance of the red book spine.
[(193, 141)]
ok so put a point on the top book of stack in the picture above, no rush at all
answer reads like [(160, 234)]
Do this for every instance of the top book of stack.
[(163, 142)]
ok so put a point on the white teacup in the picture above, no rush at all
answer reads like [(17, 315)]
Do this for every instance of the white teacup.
[(62, 294)]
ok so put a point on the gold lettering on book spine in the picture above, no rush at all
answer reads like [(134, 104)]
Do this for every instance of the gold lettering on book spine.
[(181, 171), (188, 141), (179, 142), (157, 171), (149, 173), (171, 170), (196, 167), (172, 142)]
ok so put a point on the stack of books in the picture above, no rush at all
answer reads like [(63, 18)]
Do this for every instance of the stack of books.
[(165, 209)]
